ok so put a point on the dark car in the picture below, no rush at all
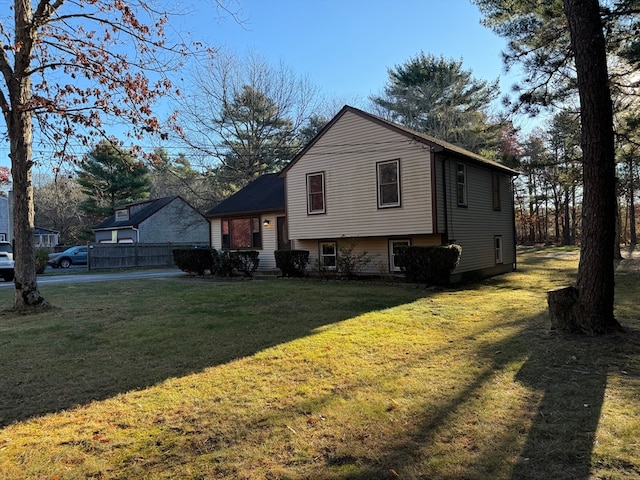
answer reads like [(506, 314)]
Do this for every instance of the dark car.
[(71, 256), (6, 261)]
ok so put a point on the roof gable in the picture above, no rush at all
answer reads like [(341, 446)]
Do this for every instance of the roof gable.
[(435, 144), (140, 211), (264, 194)]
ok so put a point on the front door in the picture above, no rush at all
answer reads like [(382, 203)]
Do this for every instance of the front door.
[(283, 234)]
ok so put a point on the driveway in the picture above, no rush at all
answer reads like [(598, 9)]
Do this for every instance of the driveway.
[(101, 277)]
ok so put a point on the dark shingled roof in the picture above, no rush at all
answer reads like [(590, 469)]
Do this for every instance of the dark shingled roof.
[(140, 216), (264, 194)]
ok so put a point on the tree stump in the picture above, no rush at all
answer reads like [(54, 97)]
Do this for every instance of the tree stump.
[(563, 308)]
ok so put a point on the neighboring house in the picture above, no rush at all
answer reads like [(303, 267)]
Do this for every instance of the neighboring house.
[(164, 220), (367, 184), (252, 219), (43, 237)]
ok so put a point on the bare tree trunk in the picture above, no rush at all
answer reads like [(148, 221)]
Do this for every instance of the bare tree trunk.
[(593, 314), (20, 131)]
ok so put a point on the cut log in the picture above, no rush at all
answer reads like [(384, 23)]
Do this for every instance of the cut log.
[(563, 308)]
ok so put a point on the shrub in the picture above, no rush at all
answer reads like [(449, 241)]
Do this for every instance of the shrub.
[(349, 263), (226, 264), (195, 260), (430, 265), (42, 256), (292, 263), (246, 261)]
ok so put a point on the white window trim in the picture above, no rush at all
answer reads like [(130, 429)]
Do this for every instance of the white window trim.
[(392, 266), (122, 215), (324, 197), (321, 256), (499, 248), (379, 184)]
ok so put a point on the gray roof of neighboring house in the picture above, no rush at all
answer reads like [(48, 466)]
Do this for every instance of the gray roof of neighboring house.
[(139, 216), (264, 194), (438, 145)]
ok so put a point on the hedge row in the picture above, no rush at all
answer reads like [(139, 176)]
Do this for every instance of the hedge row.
[(223, 263), (430, 265)]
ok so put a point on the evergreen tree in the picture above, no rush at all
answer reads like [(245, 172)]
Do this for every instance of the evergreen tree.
[(262, 140), (111, 177), (438, 97)]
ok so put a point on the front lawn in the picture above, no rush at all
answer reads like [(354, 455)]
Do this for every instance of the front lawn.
[(186, 378)]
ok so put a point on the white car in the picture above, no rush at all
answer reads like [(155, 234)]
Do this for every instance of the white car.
[(6, 261)]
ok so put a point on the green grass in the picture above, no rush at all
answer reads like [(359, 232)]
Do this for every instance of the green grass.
[(192, 379)]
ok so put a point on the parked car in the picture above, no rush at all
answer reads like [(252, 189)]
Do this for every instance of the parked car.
[(6, 261), (71, 256)]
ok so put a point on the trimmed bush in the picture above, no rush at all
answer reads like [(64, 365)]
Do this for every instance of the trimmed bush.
[(292, 263), (246, 261), (196, 260), (430, 265)]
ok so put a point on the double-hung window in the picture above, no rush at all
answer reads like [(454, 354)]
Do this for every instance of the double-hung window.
[(388, 184), (328, 255), (395, 247), (461, 184), (315, 193), (498, 248), (242, 232)]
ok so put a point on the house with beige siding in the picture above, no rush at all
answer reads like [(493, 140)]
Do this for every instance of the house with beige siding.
[(252, 219), (372, 185), (369, 185)]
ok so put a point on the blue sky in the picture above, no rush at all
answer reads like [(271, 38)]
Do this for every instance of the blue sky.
[(344, 47)]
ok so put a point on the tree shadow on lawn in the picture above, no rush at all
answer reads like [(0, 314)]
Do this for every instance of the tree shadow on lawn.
[(570, 375), (52, 361)]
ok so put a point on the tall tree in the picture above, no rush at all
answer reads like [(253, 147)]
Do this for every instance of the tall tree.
[(263, 140), (70, 66), (176, 176), (57, 206), (110, 177), (562, 45), (244, 116), (437, 96), (595, 283)]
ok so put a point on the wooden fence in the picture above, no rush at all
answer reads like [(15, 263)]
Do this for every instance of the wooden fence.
[(132, 255)]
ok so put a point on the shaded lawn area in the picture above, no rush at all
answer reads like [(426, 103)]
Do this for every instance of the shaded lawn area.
[(189, 378)]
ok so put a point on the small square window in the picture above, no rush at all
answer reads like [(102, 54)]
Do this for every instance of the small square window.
[(122, 215)]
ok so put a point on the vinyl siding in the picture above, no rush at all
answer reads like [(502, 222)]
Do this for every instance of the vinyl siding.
[(269, 239), (376, 248), (475, 226), (348, 154)]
